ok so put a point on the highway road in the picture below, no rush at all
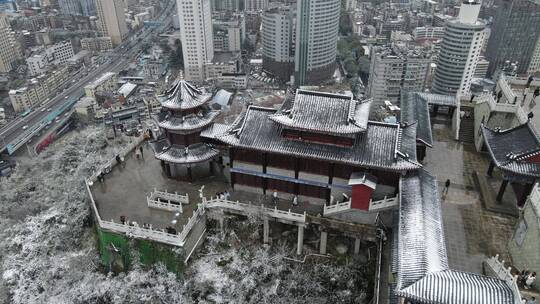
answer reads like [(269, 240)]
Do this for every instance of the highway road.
[(115, 62)]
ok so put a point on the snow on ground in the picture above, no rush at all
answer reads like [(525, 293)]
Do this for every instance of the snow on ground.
[(48, 251)]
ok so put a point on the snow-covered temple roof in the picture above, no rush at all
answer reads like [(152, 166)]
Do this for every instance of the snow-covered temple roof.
[(189, 122), (515, 151), (193, 154), (415, 108), (323, 112), (423, 275), (383, 146), (183, 96)]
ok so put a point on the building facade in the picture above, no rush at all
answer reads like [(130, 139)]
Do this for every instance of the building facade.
[(460, 51), (98, 44), (394, 69), (107, 82), (279, 41), (514, 34), (317, 26), (534, 66), (197, 37), (112, 21), (255, 5), (9, 48)]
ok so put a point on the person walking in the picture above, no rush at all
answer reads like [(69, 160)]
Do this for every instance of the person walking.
[(142, 151), (295, 200), (274, 197), (530, 280), (446, 187)]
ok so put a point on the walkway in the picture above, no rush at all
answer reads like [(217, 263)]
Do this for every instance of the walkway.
[(472, 234)]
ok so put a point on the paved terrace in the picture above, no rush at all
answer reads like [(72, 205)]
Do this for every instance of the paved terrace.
[(126, 188)]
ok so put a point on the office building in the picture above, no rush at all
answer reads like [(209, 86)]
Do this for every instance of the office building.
[(460, 51), (197, 38), (394, 69), (514, 34), (70, 7), (317, 26), (112, 20)]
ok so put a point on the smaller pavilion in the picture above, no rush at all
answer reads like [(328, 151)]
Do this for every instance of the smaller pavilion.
[(516, 153), (184, 116)]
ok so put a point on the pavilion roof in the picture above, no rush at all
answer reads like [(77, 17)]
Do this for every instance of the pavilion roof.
[(415, 108), (323, 112), (188, 122), (192, 154), (183, 96), (423, 274), (511, 150), (382, 146)]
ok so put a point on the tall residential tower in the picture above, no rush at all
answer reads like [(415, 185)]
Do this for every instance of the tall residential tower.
[(112, 19), (460, 51), (514, 34), (317, 26), (197, 37), (9, 49)]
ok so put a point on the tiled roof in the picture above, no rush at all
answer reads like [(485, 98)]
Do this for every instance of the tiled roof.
[(423, 273), (323, 112), (511, 148), (189, 122), (215, 130), (384, 146), (456, 287), (187, 155), (415, 108), (183, 96), (438, 99)]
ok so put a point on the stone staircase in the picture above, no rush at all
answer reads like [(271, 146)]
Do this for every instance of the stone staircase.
[(466, 130)]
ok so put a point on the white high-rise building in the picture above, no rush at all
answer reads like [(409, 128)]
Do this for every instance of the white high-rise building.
[(534, 66), (9, 49), (197, 38), (460, 51), (112, 20), (278, 39), (317, 26)]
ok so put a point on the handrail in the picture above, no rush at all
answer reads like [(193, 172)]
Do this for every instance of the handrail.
[(385, 203), (505, 274), (245, 207)]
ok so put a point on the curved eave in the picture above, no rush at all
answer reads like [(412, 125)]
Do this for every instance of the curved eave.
[(178, 155), (400, 164), (190, 123), (284, 120)]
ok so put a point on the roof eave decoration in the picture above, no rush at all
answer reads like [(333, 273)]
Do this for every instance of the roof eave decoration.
[(189, 123)]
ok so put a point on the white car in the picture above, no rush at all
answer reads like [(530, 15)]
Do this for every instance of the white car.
[(25, 127)]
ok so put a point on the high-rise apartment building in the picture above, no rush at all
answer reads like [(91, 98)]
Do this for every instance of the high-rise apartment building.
[(394, 69), (197, 38), (112, 20), (460, 51), (9, 49), (88, 7), (514, 34), (255, 5), (317, 26), (279, 40)]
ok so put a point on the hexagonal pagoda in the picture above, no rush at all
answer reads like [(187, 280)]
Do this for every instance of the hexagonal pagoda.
[(185, 114)]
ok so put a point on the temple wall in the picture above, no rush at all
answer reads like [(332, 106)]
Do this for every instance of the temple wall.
[(279, 171), (313, 177), (247, 166), (238, 187)]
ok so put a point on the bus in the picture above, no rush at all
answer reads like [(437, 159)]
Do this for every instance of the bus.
[(25, 113)]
